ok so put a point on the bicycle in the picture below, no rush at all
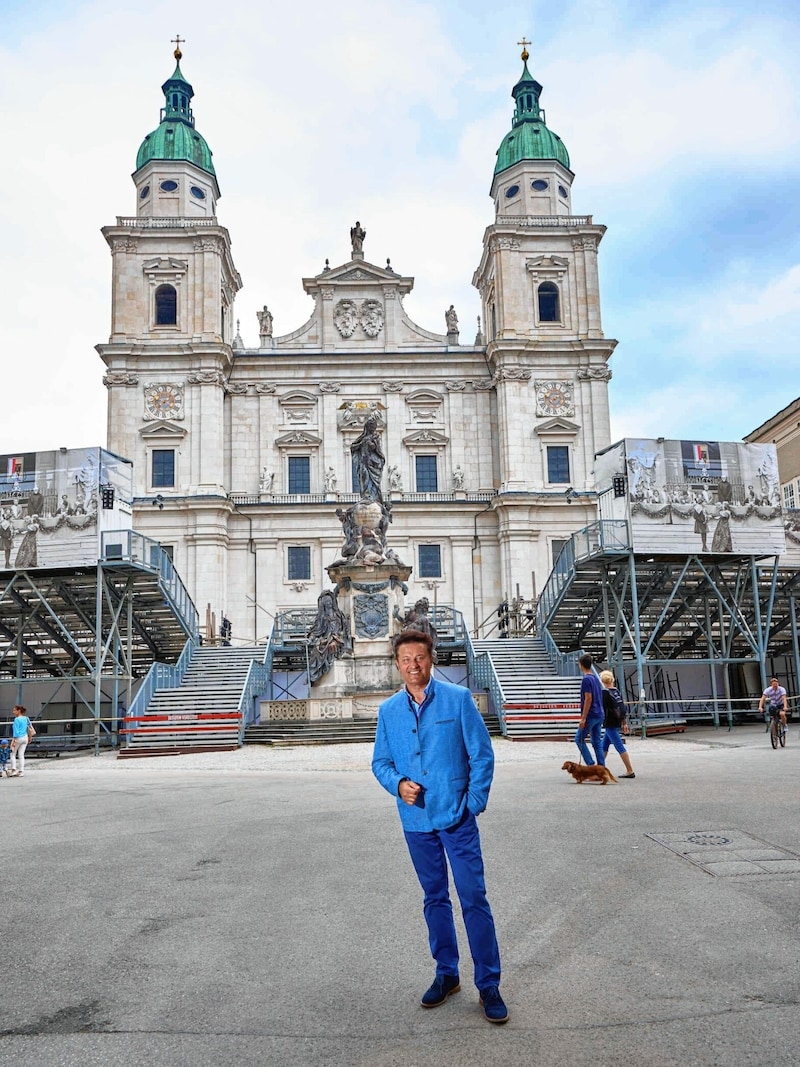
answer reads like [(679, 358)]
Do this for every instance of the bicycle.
[(777, 731)]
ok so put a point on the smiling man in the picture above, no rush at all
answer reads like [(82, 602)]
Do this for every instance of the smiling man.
[(433, 753)]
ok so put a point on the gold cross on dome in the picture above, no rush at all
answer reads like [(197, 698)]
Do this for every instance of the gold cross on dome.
[(177, 40), (525, 53)]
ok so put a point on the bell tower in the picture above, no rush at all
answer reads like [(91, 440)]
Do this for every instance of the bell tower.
[(539, 287), (172, 292), (169, 355)]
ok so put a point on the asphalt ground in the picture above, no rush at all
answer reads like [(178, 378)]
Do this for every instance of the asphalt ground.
[(235, 911)]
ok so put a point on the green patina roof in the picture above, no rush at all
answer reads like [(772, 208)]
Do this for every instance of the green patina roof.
[(529, 137), (176, 137)]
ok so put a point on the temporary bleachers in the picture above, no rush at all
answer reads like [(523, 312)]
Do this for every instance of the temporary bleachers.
[(202, 712), (535, 702)]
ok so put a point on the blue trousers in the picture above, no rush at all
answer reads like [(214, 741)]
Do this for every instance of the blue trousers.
[(461, 845), (612, 736), (594, 730)]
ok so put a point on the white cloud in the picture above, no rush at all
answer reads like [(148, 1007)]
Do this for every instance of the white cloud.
[(320, 114)]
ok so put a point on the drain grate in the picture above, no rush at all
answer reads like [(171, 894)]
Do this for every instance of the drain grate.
[(729, 853)]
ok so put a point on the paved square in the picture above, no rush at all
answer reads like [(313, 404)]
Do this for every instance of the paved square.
[(259, 908), (729, 852)]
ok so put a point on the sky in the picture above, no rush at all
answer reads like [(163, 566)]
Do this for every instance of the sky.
[(681, 119)]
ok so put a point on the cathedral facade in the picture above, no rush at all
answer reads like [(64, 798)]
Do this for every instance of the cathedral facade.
[(241, 456)]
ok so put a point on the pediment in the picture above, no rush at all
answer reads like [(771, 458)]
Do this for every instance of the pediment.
[(163, 430), (358, 275), (557, 426), (298, 437), (425, 437), (297, 398), (165, 263), (358, 271), (424, 396), (557, 262)]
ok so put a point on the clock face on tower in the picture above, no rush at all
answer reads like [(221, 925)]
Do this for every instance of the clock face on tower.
[(554, 398), (163, 401)]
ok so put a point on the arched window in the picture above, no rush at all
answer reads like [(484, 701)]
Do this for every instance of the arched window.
[(166, 306), (549, 309)]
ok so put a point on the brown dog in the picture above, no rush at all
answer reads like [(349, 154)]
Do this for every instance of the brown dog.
[(583, 774)]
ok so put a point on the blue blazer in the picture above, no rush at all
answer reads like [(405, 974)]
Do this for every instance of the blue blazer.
[(448, 752)]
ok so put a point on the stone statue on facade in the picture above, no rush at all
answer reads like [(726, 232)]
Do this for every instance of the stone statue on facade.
[(417, 618), (330, 480), (357, 235), (395, 479), (328, 637), (458, 477), (267, 480), (349, 530), (264, 324), (368, 461), (451, 319)]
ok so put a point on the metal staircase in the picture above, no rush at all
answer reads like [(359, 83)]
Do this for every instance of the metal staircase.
[(533, 701), (203, 712)]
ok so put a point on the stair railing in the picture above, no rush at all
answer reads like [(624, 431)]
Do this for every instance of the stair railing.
[(256, 685), (564, 663), (130, 546), (598, 538), (481, 670)]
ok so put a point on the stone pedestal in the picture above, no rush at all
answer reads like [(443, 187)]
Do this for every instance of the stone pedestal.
[(368, 596)]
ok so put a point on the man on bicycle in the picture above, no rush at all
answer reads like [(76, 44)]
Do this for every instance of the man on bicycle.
[(775, 696)]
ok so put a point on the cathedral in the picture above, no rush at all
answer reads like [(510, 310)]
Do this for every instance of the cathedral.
[(242, 464)]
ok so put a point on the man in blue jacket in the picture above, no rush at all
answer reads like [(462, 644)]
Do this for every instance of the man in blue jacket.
[(433, 753)]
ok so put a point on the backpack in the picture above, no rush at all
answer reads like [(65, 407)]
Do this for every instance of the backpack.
[(615, 708)]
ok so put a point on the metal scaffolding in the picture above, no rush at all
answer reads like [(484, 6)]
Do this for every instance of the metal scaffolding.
[(94, 631), (650, 611)]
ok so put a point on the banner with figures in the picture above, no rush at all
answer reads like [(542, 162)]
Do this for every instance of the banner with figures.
[(689, 497), (55, 505)]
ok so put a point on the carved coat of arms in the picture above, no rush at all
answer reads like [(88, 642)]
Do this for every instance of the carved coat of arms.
[(372, 317), (345, 317), (371, 614)]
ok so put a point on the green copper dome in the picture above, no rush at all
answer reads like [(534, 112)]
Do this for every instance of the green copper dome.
[(176, 137), (529, 137)]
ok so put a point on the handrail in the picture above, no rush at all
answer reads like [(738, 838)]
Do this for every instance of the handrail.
[(256, 685), (565, 663), (128, 546), (598, 538), (486, 677)]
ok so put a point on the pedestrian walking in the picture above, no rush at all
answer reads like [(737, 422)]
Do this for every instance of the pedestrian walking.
[(615, 722), (591, 722)]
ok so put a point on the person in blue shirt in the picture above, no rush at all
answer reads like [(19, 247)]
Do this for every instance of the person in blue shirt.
[(5, 755), (19, 740), (591, 723), (433, 753)]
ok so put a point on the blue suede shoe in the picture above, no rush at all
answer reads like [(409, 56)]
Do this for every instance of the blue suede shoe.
[(443, 986), (493, 1007)]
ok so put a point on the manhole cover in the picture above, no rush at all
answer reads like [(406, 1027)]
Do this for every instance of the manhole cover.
[(708, 839), (729, 853)]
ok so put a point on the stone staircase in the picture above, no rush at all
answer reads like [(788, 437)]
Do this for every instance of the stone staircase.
[(538, 704), (349, 731), (202, 713)]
